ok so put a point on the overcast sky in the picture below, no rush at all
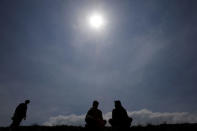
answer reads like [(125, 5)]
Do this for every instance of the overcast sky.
[(145, 56)]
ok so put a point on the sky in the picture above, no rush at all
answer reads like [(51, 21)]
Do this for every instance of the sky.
[(145, 56)]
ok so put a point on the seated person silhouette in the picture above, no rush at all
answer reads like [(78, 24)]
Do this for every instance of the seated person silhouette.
[(94, 118), (19, 114), (120, 118)]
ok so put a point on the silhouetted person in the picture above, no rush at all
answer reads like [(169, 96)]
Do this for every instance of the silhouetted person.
[(94, 118), (120, 118), (20, 114)]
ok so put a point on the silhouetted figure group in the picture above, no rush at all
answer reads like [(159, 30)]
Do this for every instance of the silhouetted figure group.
[(94, 118), (120, 119), (19, 114)]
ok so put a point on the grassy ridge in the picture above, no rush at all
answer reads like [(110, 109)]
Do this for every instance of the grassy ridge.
[(162, 127)]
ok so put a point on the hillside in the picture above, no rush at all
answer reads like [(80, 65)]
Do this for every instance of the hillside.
[(163, 127)]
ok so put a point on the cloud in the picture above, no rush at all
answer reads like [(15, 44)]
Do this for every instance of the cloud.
[(141, 117), (75, 120)]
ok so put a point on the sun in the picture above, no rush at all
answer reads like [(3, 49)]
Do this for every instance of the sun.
[(96, 21)]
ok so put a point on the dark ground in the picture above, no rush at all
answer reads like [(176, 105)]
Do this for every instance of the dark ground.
[(163, 127)]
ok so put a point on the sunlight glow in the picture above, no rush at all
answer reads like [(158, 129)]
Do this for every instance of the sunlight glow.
[(96, 21)]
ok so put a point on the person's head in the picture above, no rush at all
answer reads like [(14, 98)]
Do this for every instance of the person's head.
[(117, 104), (27, 101), (95, 104)]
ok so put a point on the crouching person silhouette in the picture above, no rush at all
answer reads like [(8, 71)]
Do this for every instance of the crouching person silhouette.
[(120, 119), (19, 114), (94, 119)]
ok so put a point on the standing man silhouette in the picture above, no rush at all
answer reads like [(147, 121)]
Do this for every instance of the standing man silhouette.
[(19, 114)]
